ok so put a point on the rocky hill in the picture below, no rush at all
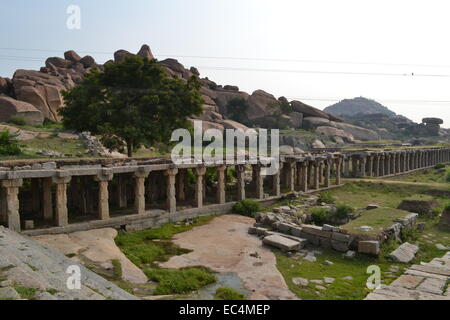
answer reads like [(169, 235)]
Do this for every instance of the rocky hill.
[(358, 106), (35, 96)]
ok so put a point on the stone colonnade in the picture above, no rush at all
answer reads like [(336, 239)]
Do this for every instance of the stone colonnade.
[(295, 174), (390, 163)]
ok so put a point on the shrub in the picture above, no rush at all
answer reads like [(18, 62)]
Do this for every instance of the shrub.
[(17, 120), (439, 166), (447, 206), (343, 210), (326, 197), (171, 281), (409, 235), (447, 177), (228, 294), (9, 145), (320, 216), (247, 207)]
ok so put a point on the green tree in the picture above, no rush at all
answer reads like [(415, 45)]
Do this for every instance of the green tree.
[(9, 145), (237, 110), (131, 103)]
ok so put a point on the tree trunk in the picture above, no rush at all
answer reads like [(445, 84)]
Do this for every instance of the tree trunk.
[(129, 148)]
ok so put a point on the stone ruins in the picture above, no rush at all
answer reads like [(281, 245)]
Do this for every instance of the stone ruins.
[(63, 196)]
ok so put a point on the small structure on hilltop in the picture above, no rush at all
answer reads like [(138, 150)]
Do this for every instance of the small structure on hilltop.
[(432, 125)]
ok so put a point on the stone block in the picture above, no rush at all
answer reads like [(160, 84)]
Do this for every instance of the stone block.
[(281, 243), (341, 237), (405, 253), (316, 230), (296, 231), (369, 247), (339, 246), (29, 224)]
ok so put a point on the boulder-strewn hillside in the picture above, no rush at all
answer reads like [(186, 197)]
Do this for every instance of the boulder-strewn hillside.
[(36, 95), (358, 106), (372, 115)]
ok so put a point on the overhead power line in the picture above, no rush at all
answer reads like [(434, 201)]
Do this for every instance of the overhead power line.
[(250, 58)]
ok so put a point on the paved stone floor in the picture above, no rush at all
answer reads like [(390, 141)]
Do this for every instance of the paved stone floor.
[(224, 245), (426, 281)]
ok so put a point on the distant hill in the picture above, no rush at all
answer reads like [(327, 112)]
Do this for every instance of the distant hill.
[(350, 108)]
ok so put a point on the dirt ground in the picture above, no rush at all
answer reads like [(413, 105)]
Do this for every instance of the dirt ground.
[(224, 245)]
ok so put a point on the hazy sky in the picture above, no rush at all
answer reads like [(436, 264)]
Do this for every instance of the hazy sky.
[(307, 48)]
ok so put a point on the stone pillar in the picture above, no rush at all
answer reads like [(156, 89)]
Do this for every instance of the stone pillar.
[(121, 191), (387, 168), (304, 176), (61, 212), (382, 162), (47, 202), (355, 169), (316, 176), (199, 186), (221, 184), (290, 176), (181, 184), (171, 190), (393, 164), (240, 171), (376, 165), (259, 182), (139, 190), (103, 194), (346, 167), (11, 196), (327, 173), (370, 169), (399, 168), (338, 170), (276, 183)]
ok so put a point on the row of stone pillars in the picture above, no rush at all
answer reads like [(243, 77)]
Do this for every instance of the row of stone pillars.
[(380, 164)]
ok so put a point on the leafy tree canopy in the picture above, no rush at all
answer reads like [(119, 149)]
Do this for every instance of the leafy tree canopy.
[(131, 103)]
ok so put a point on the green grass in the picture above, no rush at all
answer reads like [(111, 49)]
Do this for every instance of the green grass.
[(427, 175), (360, 194), (179, 281), (26, 293), (117, 269), (54, 143), (378, 219), (149, 247), (229, 294), (340, 289)]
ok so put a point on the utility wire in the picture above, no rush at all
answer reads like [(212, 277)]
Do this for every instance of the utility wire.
[(248, 58)]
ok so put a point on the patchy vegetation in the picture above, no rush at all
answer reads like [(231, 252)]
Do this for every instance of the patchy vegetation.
[(228, 294), (247, 207), (148, 247)]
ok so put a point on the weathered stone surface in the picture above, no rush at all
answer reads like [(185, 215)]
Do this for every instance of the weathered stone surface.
[(314, 122), (317, 144), (419, 206), (300, 282), (308, 111), (176, 68), (97, 246), (58, 62), (72, 56), (230, 124), (33, 265), (88, 62), (286, 150), (407, 281), (120, 55), (369, 247), (146, 52), (8, 293), (261, 104), (334, 132), (296, 120), (282, 243), (358, 132), (316, 230), (10, 107), (405, 253)]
